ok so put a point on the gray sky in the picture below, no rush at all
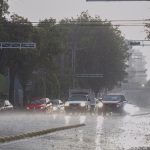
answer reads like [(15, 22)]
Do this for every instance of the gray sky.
[(35, 10)]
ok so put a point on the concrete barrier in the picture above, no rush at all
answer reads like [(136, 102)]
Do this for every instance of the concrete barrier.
[(37, 133)]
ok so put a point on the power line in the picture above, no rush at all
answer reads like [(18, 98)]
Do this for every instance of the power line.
[(96, 21), (132, 23), (81, 24)]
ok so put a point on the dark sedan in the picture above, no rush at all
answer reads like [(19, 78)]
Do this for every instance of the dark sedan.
[(113, 103)]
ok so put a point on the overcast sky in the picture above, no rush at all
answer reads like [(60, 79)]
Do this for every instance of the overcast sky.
[(36, 10)]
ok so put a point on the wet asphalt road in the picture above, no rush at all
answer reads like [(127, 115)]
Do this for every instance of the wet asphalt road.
[(113, 132)]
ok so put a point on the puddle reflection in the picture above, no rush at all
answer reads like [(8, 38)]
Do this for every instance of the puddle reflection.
[(81, 136), (54, 116), (82, 119), (67, 120), (99, 123), (133, 132)]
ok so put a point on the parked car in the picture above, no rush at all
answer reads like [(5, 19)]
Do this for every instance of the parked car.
[(113, 103), (5, 105), (42, 104), (58, 105)]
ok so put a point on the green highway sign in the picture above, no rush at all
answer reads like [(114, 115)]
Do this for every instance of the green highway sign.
[(135, 43), (12, 45)]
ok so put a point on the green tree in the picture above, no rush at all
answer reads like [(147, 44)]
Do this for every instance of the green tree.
[(19, 29), (99, 49), (26, 66), (148, 30), (3, 33), (3, 8), (3, 85), (50, 43)]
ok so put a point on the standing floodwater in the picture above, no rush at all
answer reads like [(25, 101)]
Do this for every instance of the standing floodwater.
[(112, 132)]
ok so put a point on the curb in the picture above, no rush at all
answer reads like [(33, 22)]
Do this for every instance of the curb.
[(37, 133), (142, 114)]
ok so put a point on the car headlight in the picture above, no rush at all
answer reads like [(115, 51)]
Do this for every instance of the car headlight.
[(118, 105), (54, 108), (100, 105), (82, 104), (67, 104), (42, 107)]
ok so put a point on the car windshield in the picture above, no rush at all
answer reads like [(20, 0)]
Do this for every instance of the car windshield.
[(112, 98), (39, 101), (78, 98)]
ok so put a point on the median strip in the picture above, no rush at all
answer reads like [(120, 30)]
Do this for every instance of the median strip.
[(37, 133), (142, 114)]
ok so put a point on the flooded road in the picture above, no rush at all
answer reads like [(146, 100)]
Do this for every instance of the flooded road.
[(113, 132)]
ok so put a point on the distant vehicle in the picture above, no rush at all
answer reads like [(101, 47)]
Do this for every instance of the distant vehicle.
[(96, 106), (80, 100), (77, 102), (42, 104), (93, 105), (58, 105), (5, 105), (113, 103)]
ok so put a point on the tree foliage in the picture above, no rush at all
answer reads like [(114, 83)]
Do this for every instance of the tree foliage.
[(148, 30), (50, 43), (3, 8), (18, 29), (99, 49)]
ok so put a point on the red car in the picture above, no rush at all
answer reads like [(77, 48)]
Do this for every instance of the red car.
[(41, 104)]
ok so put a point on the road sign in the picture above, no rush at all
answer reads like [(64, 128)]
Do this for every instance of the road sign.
[(135, 43), (139, 42), (12, 45)]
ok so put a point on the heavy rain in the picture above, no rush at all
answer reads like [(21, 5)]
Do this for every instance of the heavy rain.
[(74, 75)]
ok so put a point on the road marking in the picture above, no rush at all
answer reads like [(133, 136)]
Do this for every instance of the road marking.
[(37, 133)]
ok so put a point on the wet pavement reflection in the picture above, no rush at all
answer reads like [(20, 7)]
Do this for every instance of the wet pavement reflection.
[(98, 132), (111, 132)]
